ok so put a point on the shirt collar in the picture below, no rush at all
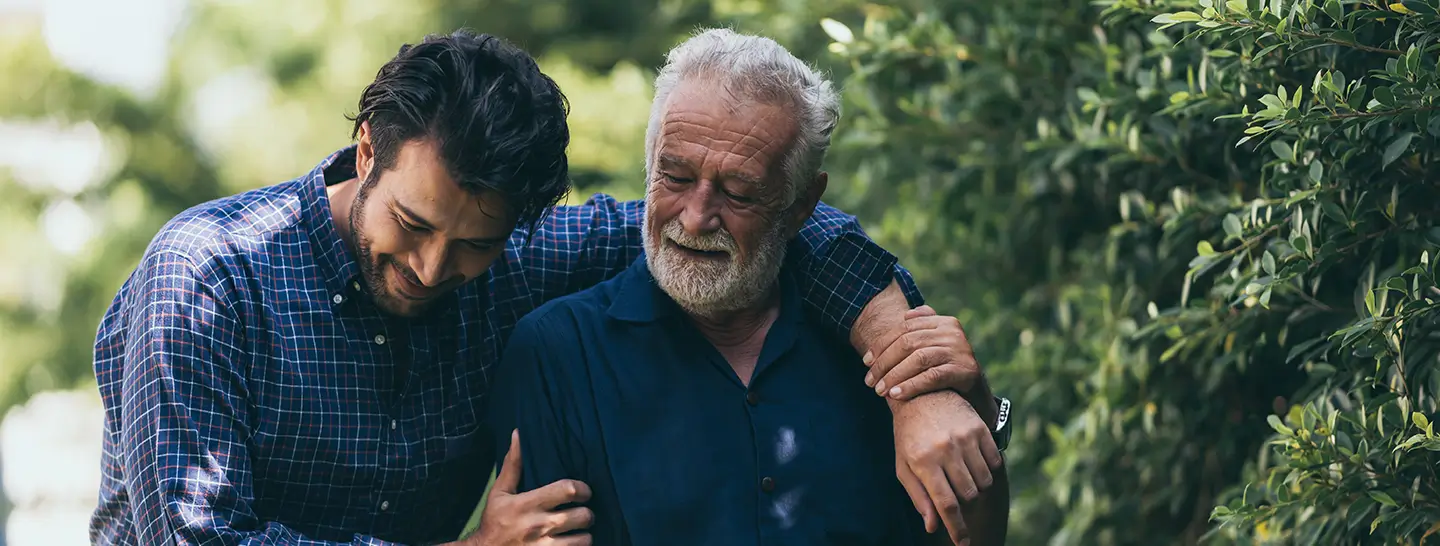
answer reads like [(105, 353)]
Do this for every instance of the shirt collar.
[(640, 298), (341, 271)]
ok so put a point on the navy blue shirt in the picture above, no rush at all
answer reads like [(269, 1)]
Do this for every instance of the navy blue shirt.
[(615, 387)]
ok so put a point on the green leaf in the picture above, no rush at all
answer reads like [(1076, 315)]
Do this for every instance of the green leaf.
[(1279, 426), (1383, 498), (1237, 6), (1301, 244), (1282, 150), (1396, 147), (1343, 36), (1357, 512), (1331, 209), (1397, 284), (1317, 171), (1178, 17), (1303, 347), (1370, 301), (1204, 248), (1334, 10), (1232, 225), (1221, 53), (1385, 96), (1420, 420), (1267, 262), (837, 30), (1265, 298)]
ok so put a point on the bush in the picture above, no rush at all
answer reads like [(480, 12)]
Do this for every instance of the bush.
[(1338, 237), (1165, 243)]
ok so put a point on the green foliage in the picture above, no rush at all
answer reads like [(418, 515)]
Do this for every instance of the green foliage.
[(1339, 239), (1159, 238)]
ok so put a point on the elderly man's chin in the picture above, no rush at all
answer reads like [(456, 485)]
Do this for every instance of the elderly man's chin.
[(709, 285)]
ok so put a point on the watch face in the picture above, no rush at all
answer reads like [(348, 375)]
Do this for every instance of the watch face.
[(1004, 416)]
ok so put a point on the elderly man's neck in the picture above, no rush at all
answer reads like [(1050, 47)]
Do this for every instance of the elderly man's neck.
[(740, 335)]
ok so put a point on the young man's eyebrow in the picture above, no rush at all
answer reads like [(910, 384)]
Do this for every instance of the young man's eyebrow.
[(418, 220)]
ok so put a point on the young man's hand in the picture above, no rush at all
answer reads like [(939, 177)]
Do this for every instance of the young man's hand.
[(532, 517)]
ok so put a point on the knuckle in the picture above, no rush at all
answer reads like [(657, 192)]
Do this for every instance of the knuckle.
[(937, 450), (969, 493), (949, 505), (908, 343)]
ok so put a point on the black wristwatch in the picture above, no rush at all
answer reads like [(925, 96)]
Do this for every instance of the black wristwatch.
[(1002, 423)]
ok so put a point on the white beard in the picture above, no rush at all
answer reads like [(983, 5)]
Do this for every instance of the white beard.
[(709, 287)]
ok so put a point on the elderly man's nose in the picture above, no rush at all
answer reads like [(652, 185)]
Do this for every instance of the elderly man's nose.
[(702, 213)]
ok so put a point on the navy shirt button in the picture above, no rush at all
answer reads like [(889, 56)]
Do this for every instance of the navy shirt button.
[(767, 484), (752, 398)]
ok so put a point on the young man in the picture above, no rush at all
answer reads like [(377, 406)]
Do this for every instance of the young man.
[(307, 363), (691, 392)]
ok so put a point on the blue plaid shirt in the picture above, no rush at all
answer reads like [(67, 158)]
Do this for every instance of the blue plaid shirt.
[(254, 394)]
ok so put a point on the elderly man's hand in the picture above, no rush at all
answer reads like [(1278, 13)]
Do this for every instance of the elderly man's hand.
[(944, 455), (928, 353)]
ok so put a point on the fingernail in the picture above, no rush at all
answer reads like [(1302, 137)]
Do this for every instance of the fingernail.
[(880, 387), (895, 392), (867, 358), (869, 379)]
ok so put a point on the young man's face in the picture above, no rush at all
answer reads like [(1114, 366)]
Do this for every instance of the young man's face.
[(417, 233)]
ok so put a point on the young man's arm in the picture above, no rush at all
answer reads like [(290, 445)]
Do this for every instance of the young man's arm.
[(576, 247), (183, 430)]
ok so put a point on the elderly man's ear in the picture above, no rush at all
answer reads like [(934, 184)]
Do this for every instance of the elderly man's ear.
[(805, 205)]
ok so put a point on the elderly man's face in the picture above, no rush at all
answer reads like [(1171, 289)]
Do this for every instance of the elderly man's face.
[(717, 216)]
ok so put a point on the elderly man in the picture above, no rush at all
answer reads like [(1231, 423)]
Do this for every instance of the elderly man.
[(691, 392)]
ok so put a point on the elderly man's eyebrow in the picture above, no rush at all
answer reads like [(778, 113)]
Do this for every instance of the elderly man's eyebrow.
[(674, 161), (667, 160)]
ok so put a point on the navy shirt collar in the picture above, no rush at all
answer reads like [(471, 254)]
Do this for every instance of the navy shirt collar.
[(341, 271)]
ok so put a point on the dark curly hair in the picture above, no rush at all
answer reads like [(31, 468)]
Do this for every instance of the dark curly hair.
[(498, 122)]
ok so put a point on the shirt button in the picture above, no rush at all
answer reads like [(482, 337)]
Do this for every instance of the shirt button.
[(379, 339), (392, 424), (752, 398), (338, 298), (355, 286), (767, 484), (384, 505)]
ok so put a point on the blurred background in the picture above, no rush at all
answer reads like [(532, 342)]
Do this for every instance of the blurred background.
[(1192, 241)]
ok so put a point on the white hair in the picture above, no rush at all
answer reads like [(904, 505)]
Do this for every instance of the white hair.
[(761, 69)]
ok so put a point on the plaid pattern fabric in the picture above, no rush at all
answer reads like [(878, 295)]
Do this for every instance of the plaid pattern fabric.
[(254, 395)]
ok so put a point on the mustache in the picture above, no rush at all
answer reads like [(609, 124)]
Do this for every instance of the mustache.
[(719, 241)]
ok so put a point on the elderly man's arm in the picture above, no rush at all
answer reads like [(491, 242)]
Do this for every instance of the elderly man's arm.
[(540, 478), (946, 456)]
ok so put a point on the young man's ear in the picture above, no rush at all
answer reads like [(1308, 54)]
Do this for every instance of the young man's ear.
[(805, 205), (364, 153)]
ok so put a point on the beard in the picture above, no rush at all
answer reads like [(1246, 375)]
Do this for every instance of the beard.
[(709, 287), (372, 268)]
